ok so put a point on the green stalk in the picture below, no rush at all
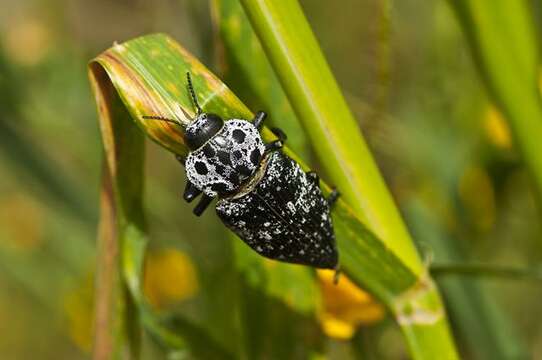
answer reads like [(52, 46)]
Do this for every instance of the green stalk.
[(315, 96), (503, 42), (489, 271)]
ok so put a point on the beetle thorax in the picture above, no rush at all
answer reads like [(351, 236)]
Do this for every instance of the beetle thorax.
[(227, 160)]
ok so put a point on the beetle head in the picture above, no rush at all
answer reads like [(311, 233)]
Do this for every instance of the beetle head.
[(203, 128)]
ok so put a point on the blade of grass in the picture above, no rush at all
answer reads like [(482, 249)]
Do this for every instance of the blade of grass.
[(307, 80), (505, 48), (148, 75), (120, 207)]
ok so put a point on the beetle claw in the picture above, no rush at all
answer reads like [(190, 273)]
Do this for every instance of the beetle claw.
[(333, 196), (273, 146), (190, 192), (314, 176), (337, 274)]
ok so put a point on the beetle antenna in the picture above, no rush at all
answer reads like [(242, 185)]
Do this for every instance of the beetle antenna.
[(192, 92), (161, 118)]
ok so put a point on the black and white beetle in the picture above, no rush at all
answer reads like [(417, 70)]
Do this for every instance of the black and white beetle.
[(264, 196)]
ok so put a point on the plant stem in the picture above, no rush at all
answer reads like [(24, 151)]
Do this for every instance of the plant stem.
[(486, 270), (315, 96)]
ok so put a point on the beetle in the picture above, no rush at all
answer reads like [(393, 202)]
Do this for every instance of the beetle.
[(264, 196)]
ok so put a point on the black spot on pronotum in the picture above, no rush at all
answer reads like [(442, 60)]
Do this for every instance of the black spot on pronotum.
[(237, 154), (238, 135), (233, 177), (208, 151), (220, 169), (244, 170), (201, 168), (255, 156), (224, 158)]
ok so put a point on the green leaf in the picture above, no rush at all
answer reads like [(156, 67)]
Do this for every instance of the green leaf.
[(122, 241), (148, 75)]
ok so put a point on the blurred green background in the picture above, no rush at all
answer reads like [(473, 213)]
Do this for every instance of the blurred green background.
[(408, 75)]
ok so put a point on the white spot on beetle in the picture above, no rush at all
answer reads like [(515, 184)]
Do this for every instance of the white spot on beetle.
[(290, 206)]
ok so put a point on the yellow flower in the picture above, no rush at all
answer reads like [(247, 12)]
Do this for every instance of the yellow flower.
[(169, 277), (78, 307), (27, 40), (478, 196), (21, 222), (345, 306), (497, 129)]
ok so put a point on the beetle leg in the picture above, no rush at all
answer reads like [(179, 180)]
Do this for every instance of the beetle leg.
[(273, 146), (203, 204), (190, 191), (314, 176), (337, 274), (333, 196), (259, 119), (280, 134), (277, 144)]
